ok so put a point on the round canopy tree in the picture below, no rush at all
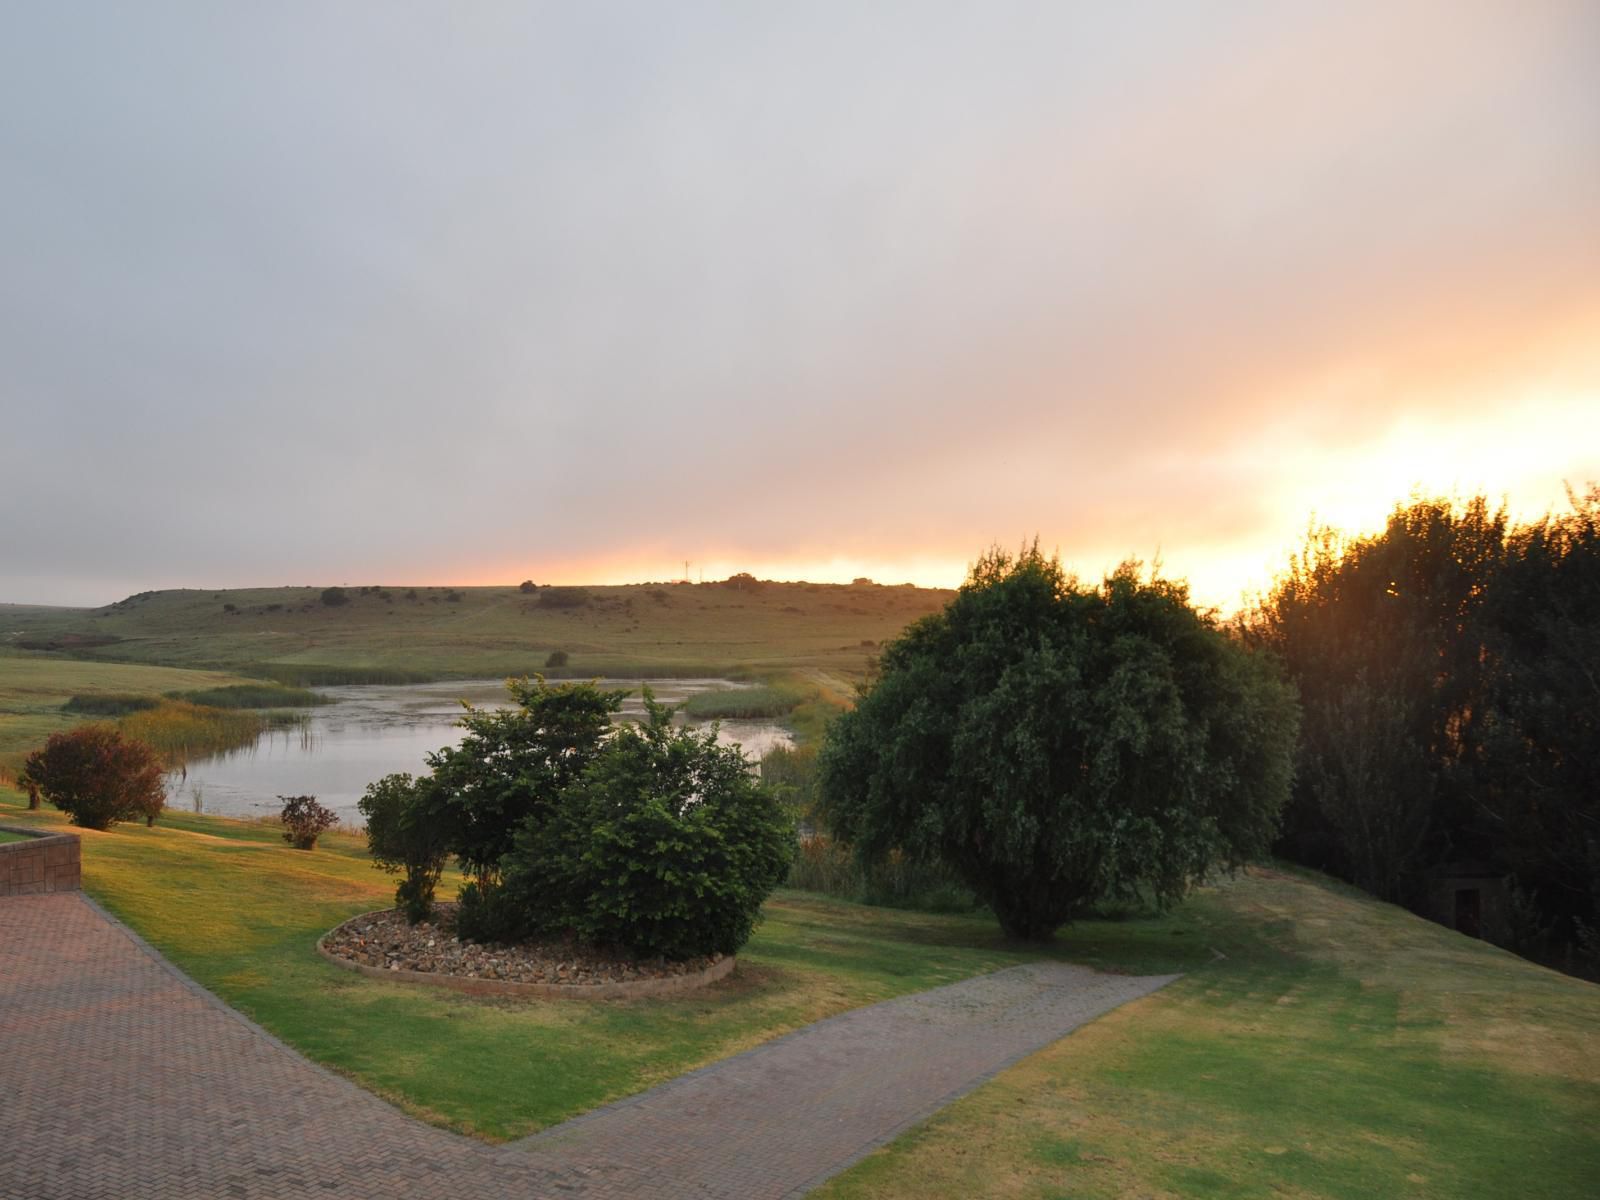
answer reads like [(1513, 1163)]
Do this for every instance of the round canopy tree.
[(97, 776), (1056, 745)]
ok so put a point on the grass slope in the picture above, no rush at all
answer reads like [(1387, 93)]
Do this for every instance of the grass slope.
[(1343, 1048), (240, 912), (384, 635)]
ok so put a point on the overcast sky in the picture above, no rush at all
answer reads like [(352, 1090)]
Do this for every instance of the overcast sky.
[(471, 292)]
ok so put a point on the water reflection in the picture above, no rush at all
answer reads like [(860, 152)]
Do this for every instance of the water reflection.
[(372, 731)]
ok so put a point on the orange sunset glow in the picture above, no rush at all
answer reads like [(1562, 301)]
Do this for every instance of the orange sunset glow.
[(821, 303)]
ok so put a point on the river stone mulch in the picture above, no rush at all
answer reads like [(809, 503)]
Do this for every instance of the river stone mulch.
[(386, 940)]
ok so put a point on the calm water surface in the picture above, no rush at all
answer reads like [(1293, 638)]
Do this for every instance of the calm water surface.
[(372, 731)]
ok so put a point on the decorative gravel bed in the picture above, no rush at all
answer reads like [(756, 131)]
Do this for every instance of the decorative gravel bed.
[(384, 940)]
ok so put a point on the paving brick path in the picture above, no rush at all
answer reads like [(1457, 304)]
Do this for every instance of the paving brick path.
[(122, 1079)]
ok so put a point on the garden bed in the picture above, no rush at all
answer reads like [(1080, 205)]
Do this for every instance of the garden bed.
[(383, 945)]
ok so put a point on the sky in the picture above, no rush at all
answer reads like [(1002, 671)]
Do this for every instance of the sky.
[(311, 293)]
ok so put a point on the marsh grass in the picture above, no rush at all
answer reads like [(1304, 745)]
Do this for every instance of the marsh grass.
[(829, 868), (109, 704), (309, 675), (180, 731), (769, 701), (252, 695)]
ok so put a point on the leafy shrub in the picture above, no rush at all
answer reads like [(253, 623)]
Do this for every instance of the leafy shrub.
[(666, 846), (743, 582), (304, 821), (452, 597), (96, 776), (486, 914), (512, 764), (558, 658), (406, 833), (527, 585), (334, 596)]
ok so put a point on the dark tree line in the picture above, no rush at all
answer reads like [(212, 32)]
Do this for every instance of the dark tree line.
[(1449, 676)]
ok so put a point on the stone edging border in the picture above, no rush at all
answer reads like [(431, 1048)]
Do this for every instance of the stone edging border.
[(671, 985)]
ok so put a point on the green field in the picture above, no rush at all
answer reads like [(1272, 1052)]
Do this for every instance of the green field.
[(1322, 1044)]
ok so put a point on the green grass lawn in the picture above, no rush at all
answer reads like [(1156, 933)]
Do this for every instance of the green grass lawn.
[(7, 836), (1322, 1044), (241, 912), (1343, 1048)]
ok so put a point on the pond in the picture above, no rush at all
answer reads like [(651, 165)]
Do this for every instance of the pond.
[(371, 731)]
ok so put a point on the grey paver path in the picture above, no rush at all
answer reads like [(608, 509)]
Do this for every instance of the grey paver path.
[(120, 1078)]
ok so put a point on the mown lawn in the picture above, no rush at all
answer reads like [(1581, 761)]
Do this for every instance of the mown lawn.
[(1322, 1044), (1343, 1048), (241, 912)]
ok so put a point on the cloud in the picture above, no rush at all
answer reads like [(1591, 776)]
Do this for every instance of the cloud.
[(304, 293)]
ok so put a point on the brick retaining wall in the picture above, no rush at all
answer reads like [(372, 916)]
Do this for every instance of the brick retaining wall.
[(42, 863)]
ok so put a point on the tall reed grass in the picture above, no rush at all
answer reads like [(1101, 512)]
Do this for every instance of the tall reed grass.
[(769, 701), (180, 731), (109, 704), (830, 867)]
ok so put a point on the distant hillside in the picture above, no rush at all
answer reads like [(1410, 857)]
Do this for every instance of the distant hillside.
[(384, 632)]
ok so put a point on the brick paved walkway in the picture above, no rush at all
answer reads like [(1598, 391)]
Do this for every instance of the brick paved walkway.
[(122, 1079)]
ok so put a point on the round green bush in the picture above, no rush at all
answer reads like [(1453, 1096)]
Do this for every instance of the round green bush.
[(666, 847)]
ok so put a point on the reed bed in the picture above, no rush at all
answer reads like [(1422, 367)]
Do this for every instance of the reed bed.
[(181, 731), (831, 868), (110, 704), (769, 701), (252, 695)]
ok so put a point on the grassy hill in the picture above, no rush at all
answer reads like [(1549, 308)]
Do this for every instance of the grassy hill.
[(396, 633)]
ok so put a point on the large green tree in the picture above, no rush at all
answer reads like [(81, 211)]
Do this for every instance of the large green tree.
[(1057, 744)]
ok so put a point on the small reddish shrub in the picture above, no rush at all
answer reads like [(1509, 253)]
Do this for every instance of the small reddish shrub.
[(304, 821)]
